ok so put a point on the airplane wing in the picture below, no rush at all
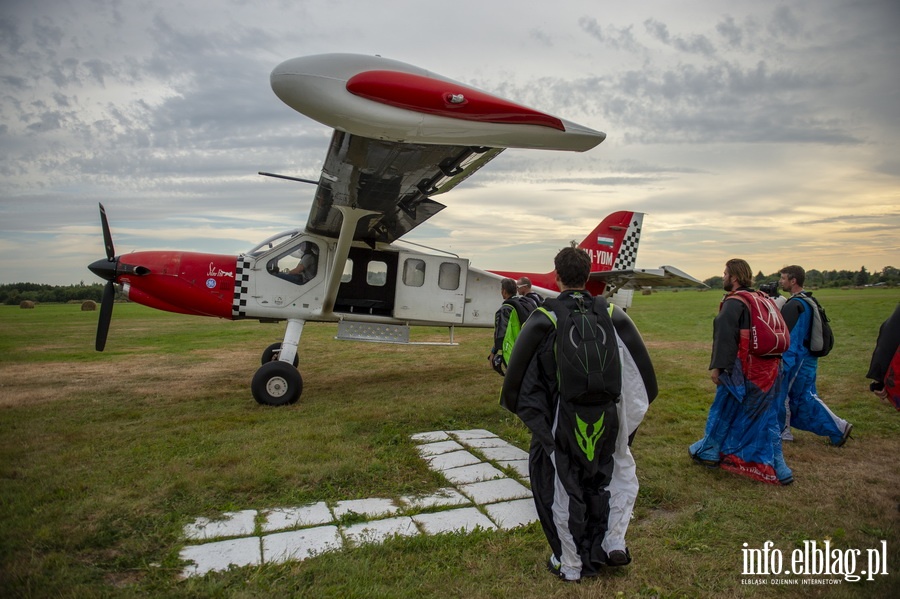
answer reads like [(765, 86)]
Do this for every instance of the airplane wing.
[(394, 180), (404, 134), (635, 278)]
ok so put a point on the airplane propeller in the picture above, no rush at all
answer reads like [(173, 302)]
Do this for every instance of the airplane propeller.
[(110, 268), (105, 269)]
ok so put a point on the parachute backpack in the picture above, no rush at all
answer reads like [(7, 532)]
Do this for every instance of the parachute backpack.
[(521, 310), (589, 369), (821, 337), (769, 335)]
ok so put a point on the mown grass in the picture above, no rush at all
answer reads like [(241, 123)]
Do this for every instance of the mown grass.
[(105, 457)]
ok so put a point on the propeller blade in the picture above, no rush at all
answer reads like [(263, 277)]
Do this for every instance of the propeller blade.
[(106, 306), (107, 236)]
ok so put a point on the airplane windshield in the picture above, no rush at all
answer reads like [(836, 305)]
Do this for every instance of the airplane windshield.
[(273, 241)]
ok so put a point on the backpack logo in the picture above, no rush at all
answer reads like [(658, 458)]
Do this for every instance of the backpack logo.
[(588, 441)]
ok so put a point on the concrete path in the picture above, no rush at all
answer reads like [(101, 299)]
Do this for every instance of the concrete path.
[(488, 489)]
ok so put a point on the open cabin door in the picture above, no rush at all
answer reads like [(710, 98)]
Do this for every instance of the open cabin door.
[(431, 288)]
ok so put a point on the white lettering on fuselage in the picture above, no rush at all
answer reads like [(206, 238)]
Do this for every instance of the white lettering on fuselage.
[(599, 257), (218, 272)]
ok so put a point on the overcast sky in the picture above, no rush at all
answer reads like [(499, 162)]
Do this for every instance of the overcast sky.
[(750, 128)]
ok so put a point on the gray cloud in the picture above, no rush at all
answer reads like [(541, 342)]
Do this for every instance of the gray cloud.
[(616, 38), (695, 44)]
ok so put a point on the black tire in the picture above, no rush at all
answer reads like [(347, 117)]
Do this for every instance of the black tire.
[(270, 354), (276, 384)]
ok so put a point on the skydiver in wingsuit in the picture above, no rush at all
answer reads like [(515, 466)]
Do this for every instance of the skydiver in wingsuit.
[(742, 431), (582, 419)]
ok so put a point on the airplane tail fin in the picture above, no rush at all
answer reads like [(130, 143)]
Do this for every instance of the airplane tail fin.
[(613, 245)]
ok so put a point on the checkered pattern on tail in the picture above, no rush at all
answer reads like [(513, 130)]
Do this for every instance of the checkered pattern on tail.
[(627, 256), (241, 288)]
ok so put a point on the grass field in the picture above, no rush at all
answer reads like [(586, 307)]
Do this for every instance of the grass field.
[(105, 457)]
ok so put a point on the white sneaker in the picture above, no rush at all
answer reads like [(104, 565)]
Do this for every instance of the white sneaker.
[(556, 568)]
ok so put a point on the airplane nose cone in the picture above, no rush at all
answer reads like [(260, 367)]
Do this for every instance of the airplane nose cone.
[(104, 268)]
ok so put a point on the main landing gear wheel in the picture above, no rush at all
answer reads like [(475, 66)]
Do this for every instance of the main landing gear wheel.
[(270, 354), (276, 384)]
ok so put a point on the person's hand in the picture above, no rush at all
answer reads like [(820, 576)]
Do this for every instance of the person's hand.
[(714, 375), (497, 364)]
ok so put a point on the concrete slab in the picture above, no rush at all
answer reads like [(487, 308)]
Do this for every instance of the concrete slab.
[(479, 433), (472, 473), (461, 520), (370, 508), (493, 491), (442, 498), (503, 453), (429, 437), (489, 442), (454, 459), (520, 467), (432, 449), (300, 544), (231, 524), (295, 517), (218, 556), (378, 531), (512, 514)]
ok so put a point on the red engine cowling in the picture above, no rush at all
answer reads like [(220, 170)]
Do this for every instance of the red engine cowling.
[(182, 282)]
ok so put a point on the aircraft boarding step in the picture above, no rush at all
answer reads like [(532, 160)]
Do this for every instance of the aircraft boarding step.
[(381, 333)]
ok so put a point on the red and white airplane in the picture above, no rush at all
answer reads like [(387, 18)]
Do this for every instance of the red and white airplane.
[(401, 136)]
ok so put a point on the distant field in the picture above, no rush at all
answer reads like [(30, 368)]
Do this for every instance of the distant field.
[(105, 457)]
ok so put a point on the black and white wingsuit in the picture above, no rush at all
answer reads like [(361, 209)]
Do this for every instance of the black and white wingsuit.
[(584, 506)]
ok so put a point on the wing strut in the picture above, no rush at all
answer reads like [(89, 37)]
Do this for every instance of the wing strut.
[(349, 219)]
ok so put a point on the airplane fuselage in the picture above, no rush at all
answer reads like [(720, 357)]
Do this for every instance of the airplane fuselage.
[(385, 284)]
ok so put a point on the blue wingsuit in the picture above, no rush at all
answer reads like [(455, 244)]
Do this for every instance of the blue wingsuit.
[(742, 434), (799, 405)]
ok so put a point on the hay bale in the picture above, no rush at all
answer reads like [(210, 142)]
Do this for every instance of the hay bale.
[(646, 291), (88, 306), (26, 305)]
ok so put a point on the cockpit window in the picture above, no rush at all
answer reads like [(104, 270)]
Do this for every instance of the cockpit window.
[(299, 265)]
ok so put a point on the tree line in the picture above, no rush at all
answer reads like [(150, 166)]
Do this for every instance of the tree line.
[(830, 278), (16, 293)]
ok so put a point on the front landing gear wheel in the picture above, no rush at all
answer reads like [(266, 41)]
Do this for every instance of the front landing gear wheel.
[(276, 384), (271, 354)]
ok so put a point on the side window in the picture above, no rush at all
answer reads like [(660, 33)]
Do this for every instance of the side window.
[(348, 271), (414, 272), (448, 277), (376, 273)]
